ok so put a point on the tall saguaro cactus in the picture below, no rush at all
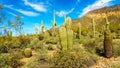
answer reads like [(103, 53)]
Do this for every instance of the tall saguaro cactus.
[(42, 26), (36, 29), (54, 24), (69, 39), (108, 47), (54, 19), (93, 27), (63, 38), (66, 35), (79, 30)]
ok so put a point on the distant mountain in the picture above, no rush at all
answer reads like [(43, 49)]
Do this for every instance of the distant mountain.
[(113, 14)]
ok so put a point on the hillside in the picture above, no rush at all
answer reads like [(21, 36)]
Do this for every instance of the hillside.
[(113, 14)]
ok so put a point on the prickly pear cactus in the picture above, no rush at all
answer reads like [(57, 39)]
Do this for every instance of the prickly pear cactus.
[(63, 38), (69, 39)]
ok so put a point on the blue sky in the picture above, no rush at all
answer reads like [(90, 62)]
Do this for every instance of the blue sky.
[(33, 11)]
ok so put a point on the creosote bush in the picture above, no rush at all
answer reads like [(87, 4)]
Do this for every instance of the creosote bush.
[(73, 59), (3, 49)]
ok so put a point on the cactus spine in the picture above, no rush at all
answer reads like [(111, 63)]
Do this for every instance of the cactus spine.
[(93, 27), (108, 47), (79, 30)]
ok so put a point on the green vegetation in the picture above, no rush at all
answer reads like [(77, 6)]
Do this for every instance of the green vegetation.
[(75, 44)]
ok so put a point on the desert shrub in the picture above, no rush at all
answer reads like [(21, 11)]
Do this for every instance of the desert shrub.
[(35, 44), (51, 47), (31, 64), (116, 48), (42, 56), (73, 59), (52, 40), (3, 49), (41, 37), (115, 65), (28, 52), (10, 61), (24, 40), (3, 60)]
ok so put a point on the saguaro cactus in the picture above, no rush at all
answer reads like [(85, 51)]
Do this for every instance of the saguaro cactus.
[(68, 23), (63, 38), (67, 40), (36, 29), (108, 47), (79, 30), (93, 27), (42, 26), (54, 20)]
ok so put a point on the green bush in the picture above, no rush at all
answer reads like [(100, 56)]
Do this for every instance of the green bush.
[(3, 60), (116, 48), (10, 61), (117, 65), (32, 64), (35, 44), (3, 49), (52, 47), (52, 40), (73, 59)]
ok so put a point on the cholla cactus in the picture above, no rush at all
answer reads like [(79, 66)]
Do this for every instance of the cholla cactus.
[(108, 47), (79, 30), (93, 27)]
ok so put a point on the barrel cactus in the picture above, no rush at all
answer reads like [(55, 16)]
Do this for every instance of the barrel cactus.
[(28, 52), (66, 35)]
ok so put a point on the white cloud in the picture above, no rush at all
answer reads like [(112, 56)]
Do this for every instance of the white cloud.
[(12, 13), (96, 5), (38, 7), (27, 13), (61, 13)]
